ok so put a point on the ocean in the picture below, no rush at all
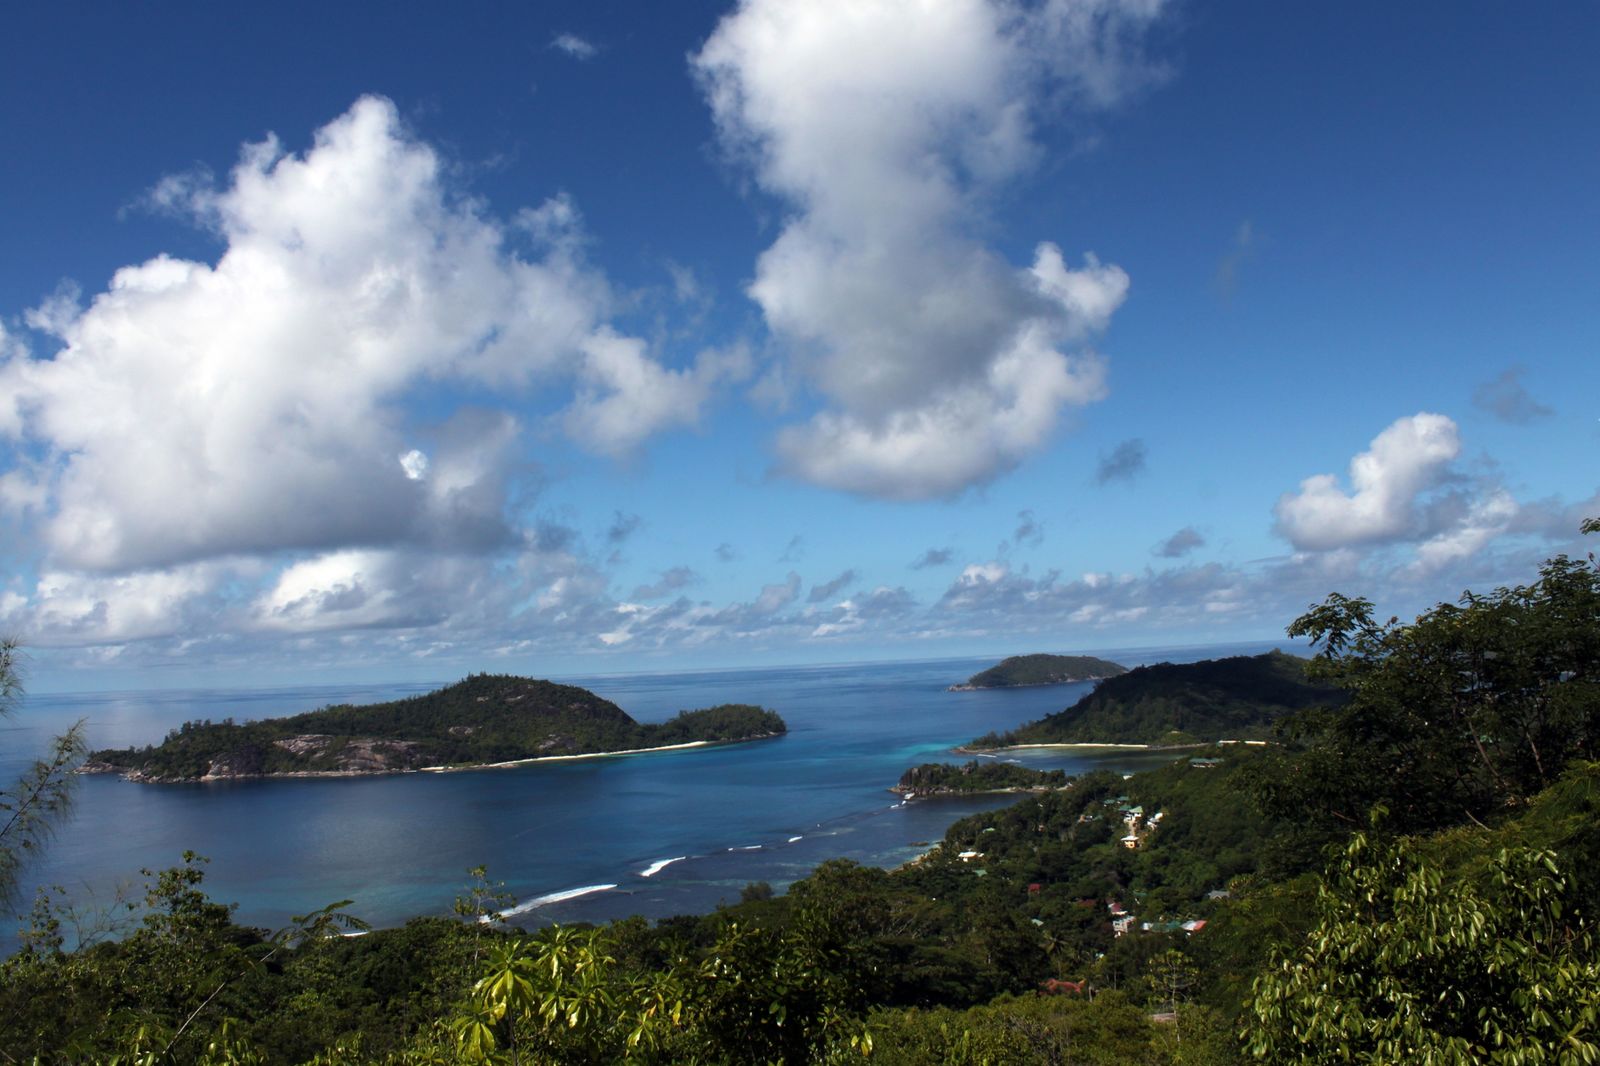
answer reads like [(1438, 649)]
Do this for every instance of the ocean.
[(656, 834)]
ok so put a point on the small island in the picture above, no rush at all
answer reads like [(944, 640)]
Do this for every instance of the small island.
[(945, 779), (484, 721), (1021, 671), (1179, 704)]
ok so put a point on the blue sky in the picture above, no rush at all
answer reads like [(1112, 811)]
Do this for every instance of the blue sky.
[(385, 342)]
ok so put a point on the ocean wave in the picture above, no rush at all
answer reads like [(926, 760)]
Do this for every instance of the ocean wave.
[(793, 839), (747, 847), (554, 897), (659, 865)]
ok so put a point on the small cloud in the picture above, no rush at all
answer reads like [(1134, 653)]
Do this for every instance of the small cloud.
[(794, 551), (574, 46), (1126, 462), (678, 577), (775, 598), (552, 537), (828, 590), (415, 465), (1029, 532), (623, 526), (933, 557), (685, 283), (725, 552), (1179, 544), (1239, 253), (1507, 400)]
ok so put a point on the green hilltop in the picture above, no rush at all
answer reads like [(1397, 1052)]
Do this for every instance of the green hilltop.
[(1021, 670), (1237, 698), (483, 719)]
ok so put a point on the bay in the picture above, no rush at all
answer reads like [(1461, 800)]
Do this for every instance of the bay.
[(586, 840)]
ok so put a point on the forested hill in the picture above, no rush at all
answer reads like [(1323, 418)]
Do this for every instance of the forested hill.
[(1021, 670), (484, 719), (1237, 698)]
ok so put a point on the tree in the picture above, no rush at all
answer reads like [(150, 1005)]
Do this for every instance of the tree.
[(1458, 716), (30, 808), (1408, 963)]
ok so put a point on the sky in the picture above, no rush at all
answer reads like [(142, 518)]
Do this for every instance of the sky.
[(377, 342)]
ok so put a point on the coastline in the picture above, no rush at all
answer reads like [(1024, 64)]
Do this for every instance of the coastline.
[(964, 750), (964, 687), (1080, 746), (513, 763), (917, 796)]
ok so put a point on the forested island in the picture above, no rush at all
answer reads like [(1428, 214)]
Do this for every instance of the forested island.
[(484, 720), (944, 779), (1026, 670), (1237, 698)]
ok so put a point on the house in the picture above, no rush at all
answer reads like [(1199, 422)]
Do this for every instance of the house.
[(1035, 888), (1130, 841), (1055, 986)]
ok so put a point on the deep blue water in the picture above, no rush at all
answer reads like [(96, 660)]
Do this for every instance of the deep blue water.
[(401, 845)]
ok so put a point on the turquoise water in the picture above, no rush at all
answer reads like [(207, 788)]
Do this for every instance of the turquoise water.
[(401, 845)]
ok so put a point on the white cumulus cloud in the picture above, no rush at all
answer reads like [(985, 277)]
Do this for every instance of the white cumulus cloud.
[(253, 405), (1402, 463), (884, 124)]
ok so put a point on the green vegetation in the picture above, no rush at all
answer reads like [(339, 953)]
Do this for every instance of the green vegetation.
[(483, 719), (937, 778), (1236, 698), (1339, 896), (30, 808), (1020, 670)]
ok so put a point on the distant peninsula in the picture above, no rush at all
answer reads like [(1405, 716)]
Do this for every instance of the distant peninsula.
[(1171, 704), (1025, 670), (486, 720), (943, 779)]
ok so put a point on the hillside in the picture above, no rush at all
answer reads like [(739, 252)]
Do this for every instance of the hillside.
[(1179, 703), (1021, 670), (483, 719)]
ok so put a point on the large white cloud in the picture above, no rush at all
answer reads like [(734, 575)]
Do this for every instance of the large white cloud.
[(198, 410), (884, 124), (1387, 480)]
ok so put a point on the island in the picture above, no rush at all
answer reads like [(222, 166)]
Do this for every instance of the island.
[(1175, 704), (945, 779), (486, 720), (1021, 671)]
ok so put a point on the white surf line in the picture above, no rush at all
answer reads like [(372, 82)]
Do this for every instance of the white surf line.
[(659, 865), (560, 758), (554, 897)]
